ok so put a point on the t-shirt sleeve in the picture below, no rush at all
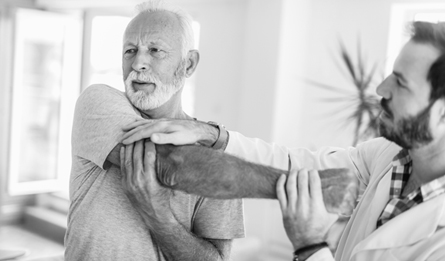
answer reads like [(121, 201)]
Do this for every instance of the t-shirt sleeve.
[(219, 219), (101, 112)]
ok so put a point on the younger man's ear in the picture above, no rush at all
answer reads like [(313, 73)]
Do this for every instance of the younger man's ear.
[(192, 62)]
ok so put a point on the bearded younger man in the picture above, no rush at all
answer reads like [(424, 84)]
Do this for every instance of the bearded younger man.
[(400, 212), (112, 215)]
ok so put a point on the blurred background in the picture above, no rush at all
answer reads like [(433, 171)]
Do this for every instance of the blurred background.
[(294, 72)]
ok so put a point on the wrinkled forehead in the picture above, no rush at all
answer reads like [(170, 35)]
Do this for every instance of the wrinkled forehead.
[(155, 26)]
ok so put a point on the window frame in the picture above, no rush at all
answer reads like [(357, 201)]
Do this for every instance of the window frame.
[(401, 15), (70, 82)]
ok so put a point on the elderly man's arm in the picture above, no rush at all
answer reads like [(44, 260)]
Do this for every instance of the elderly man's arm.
[(211, 173), (214, 174), (152, 201), (178, 132)]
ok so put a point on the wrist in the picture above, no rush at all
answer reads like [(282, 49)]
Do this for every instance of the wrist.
[(158, 221), (208, 134), (305, 252), (214, 136)]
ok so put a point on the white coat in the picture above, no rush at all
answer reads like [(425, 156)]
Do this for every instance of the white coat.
[(416, 234)]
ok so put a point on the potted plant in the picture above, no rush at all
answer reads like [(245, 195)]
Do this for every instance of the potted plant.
[(365, 106)]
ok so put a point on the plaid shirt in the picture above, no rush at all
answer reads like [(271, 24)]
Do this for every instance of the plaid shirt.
[(402, 167)]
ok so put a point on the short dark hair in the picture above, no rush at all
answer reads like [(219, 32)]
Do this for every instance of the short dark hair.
[(434, 34)]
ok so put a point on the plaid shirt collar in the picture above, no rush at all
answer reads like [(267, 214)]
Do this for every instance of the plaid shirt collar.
[(402, 167)]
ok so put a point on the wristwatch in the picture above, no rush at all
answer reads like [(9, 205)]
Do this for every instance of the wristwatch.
[(222, 135), (308, 251)]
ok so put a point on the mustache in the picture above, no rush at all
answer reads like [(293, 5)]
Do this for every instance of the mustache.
[(385, 107), (142, 77)]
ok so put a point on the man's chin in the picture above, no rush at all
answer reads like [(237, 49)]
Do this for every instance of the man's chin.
[(392, 136)]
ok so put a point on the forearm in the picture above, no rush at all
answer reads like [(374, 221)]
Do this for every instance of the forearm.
[(214, 174), (178, 244)]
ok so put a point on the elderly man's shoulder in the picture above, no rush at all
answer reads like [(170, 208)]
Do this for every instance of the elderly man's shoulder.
[(101, 95), (102, 89), (100, 92)]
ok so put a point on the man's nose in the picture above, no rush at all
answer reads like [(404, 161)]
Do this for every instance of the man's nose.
[(384, 89), (141, 62)]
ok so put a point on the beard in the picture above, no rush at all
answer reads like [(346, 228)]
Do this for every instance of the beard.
[(161, 93), (409, 133)]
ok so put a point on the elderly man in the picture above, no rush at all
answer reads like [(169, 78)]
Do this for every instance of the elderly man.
[(400, 212), (111, 216)]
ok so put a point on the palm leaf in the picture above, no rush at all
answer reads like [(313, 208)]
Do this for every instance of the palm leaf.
[(328, 87), (365, 106)]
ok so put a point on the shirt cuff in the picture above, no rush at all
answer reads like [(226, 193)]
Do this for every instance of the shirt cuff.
[(323, 254)]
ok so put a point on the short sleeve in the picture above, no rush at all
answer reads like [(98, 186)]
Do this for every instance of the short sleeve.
[(219, 219), (101, 112)]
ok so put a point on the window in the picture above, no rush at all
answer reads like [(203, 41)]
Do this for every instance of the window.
[(45, 83), (106, 50), (401, 15)]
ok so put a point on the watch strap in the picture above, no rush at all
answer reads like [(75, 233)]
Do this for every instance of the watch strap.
[(307, 251)]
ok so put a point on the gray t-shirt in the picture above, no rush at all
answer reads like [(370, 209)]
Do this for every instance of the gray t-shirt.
[(102, 223)]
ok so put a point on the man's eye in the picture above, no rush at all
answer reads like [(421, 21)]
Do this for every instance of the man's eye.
[(129, 51), (158, 53), (399, 83)]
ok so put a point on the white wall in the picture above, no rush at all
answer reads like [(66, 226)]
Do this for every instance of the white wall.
[(365, 21)]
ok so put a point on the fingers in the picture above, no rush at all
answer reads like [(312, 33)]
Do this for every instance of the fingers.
[(291, 188), (150, 159), (141, 132), (175, 138), (136, 124), (315, 190), (122, 161), (303, 189), (177, 132), (137, 158), (281, 192), (127, 165)]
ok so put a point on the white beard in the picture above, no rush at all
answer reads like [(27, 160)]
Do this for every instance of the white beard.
[(161, 94)]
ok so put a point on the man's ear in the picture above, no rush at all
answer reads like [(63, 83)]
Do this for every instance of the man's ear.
[(192, 62)]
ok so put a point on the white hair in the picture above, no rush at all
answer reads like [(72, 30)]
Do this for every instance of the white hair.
[(185, 20)]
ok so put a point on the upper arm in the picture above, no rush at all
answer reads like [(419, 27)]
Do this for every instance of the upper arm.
[(114, 156), (101, 112), (218, 219)]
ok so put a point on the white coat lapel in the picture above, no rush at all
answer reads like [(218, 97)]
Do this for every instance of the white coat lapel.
[(408, 227), (379, 201)]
